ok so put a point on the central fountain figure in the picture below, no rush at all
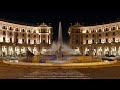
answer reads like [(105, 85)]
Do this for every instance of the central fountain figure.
[(58, 53)]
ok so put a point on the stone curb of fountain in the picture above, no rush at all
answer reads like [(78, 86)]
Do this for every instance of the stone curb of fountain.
[(71, 65)]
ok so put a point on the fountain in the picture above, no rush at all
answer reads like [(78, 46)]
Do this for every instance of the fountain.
[(60, 47)]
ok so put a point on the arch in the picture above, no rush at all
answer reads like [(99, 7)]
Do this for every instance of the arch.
[(23, 50), (119, 50), (35, 50), (106, 50), (86, 50), (4, 51), (10, 50), (99, 51), (17, 50), (113, 50)]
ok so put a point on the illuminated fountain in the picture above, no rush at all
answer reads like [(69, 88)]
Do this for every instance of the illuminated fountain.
[(60, 46), (59, 52)]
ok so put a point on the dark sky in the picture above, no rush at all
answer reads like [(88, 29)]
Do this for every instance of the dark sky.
[(53, 13)]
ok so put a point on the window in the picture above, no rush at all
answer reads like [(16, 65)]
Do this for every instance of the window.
[(29, 41), (28, 30), (23, 35), (86, 41), (17, 41), (16, 34), (34, 31), (93, 31), (23, 30), (113, 28), (106, 40), (99, 40), (93, 41), (106, 34), (99, 35), (43, 41), (113, 39), (4, 27), (16, 29), (10, 28), (34, 36), (10, 33), (23, 40), (4, 33), (87, 31), (28, 35), (34, 41), (113, 33), (99, 30), (43, 30), (76, 41), (106, 29), (86, 36), (93, 35), (3, 39), (43, 36), (10, 39)]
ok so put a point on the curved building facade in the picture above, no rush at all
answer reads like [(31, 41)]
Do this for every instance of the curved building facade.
[(16, 39), (95, 40)]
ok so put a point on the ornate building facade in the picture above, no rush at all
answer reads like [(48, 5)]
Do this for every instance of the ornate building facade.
[(16, 38), (95, 40)]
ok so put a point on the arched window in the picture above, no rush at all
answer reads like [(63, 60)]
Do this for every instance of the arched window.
[(4, 27), (16, 29), (113, 28), (87, 31), (106, 29), (10, 28)]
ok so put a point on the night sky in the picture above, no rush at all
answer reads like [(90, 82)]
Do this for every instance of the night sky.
[(53, 13)]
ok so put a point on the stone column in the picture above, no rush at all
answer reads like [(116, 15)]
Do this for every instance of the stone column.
[(7, 50), (13, 51), (110, 50), (102, 50), (117, 49)]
